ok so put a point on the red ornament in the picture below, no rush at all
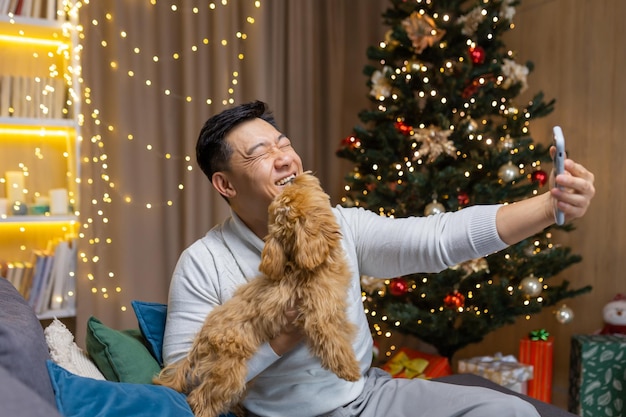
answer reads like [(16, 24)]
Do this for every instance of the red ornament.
[(470, 90), (539, 176), (403, 127), (398, 287), (463, 198), (454, 300), (477, 54), (472, 87), (351, 142)]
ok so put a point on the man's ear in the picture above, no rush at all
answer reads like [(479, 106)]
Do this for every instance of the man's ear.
[(223, 185)]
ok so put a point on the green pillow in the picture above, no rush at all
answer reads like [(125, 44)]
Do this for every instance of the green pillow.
[(121, 356)]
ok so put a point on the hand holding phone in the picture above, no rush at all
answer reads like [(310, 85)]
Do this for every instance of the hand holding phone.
[(559, 166)]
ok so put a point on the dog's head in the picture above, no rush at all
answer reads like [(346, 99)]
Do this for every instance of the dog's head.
[(302, 228)]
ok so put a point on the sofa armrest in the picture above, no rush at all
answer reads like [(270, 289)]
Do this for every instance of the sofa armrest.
[(23, 348), (18, 400)]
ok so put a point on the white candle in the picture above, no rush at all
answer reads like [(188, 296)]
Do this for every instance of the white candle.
[(58, 201), (14, 186), (4, 207)]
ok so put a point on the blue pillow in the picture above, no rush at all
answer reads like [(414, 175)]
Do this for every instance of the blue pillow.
[(78, 396), (151, 320)]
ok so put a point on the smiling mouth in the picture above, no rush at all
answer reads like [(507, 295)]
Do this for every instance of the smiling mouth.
[(286, 180)]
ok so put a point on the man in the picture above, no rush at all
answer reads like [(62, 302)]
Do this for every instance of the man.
[(248, 161)]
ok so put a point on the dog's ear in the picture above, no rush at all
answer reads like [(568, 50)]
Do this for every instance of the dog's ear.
[(312, 245), (273, 259)]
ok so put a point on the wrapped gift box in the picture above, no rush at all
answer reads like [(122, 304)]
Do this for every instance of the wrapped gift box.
[(538, 350), (409, 363), (503, 370), (597, 382)]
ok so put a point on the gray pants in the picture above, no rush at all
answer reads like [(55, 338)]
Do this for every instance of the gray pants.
[(384, 396)]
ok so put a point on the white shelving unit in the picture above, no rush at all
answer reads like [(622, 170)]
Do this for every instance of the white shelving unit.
[(40, 95)]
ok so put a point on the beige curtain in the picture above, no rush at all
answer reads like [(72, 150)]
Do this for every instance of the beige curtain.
[(316, 51), (143, 200)]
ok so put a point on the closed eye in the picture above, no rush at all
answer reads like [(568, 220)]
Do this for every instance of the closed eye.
[(283, 142)]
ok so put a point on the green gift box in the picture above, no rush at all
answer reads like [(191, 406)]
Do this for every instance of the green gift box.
[(597, 380)]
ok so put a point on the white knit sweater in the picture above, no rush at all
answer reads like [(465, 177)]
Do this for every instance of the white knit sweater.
[(295, 384)]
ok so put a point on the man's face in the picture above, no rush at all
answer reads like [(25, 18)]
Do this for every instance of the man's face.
[(263, 161)]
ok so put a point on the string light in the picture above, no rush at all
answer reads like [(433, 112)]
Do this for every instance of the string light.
[(136, 71)]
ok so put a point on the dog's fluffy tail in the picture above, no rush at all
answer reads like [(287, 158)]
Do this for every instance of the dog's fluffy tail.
[(175, 376)]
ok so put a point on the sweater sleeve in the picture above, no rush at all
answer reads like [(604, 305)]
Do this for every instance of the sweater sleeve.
[(191, 298), (393, 247)]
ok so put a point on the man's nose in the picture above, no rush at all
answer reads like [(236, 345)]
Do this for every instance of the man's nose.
[(283, 157)]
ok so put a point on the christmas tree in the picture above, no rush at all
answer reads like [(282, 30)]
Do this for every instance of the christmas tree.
[(445, 132)]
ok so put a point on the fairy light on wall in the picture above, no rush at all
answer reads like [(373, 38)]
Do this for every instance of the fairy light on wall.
[(140, 71)]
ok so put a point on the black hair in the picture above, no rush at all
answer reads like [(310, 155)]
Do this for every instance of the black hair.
[(212, 150)]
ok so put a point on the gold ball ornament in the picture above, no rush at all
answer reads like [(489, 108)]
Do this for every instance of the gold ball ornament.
[(508, 172), (434, 208), (531, 286), (413, 65), (564, 314)]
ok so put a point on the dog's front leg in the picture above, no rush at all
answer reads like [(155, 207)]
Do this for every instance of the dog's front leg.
[(329, 338)]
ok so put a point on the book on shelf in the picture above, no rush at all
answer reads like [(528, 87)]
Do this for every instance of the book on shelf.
[(16, 7), (51, 10), (48, 283), (59, 97), (41, 278), (5, 6), (27, 8), (37, 9), (53, 277), (19, 274), (7, 270), (16, 271), (17, 97), (28, 94), (27, 279), (62, 274), (5, 95), (40, 97)]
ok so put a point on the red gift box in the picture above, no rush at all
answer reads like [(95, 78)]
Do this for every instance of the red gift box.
[(538, 353), (409, 363)]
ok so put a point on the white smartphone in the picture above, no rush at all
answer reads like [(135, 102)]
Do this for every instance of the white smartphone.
[(559, 165)]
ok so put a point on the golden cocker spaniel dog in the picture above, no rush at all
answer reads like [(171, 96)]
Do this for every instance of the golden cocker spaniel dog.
[(302, 260)]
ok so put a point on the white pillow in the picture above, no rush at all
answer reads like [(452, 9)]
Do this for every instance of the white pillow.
[(67, 354)]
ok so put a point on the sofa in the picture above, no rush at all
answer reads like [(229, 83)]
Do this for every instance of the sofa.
[(44, 373)]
